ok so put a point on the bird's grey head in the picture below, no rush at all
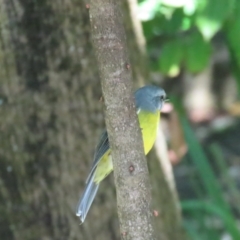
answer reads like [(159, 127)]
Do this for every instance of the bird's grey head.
[(150, 98)]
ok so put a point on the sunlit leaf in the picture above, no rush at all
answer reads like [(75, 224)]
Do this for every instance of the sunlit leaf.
[(190, 7), (211, 15), (179, 3), (208, 27), (147, 9)]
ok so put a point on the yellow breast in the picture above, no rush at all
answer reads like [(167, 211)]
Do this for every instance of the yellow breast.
[(149, 125)]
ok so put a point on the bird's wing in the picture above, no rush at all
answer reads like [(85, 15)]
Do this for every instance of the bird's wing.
[(101, 149)]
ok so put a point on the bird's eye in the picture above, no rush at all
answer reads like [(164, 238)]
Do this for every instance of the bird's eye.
[(162, 97)]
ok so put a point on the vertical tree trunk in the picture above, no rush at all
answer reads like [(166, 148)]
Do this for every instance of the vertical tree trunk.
[(50, 120), (124, 134)]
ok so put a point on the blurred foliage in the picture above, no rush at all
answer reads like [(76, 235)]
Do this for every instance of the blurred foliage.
[(180, 36), (184, 30), (209, 215)]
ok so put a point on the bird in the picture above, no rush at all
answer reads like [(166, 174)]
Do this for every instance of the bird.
[(149, 101)]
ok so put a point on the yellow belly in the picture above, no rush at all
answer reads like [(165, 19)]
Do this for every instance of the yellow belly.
[(149, 126), (104, 167)]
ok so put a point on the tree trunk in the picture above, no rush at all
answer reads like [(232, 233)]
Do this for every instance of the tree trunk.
[(129, 162), (50, 120)]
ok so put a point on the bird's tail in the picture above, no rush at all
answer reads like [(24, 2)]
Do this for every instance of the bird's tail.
[(87, 198)]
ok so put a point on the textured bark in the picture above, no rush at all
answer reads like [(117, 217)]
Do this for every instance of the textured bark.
[(50, 121), (130, 168)]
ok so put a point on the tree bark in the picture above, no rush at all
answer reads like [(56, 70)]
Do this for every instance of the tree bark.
[(130, 168), (50, 121)]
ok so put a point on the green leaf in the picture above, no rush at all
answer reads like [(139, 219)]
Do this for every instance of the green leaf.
[(174, 23), (178, 3), (233, 33), (211, 14), (171, 57), (163, 25), (147, 9), (197, 53)]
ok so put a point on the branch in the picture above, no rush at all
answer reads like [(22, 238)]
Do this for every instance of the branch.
[(130, 167)]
